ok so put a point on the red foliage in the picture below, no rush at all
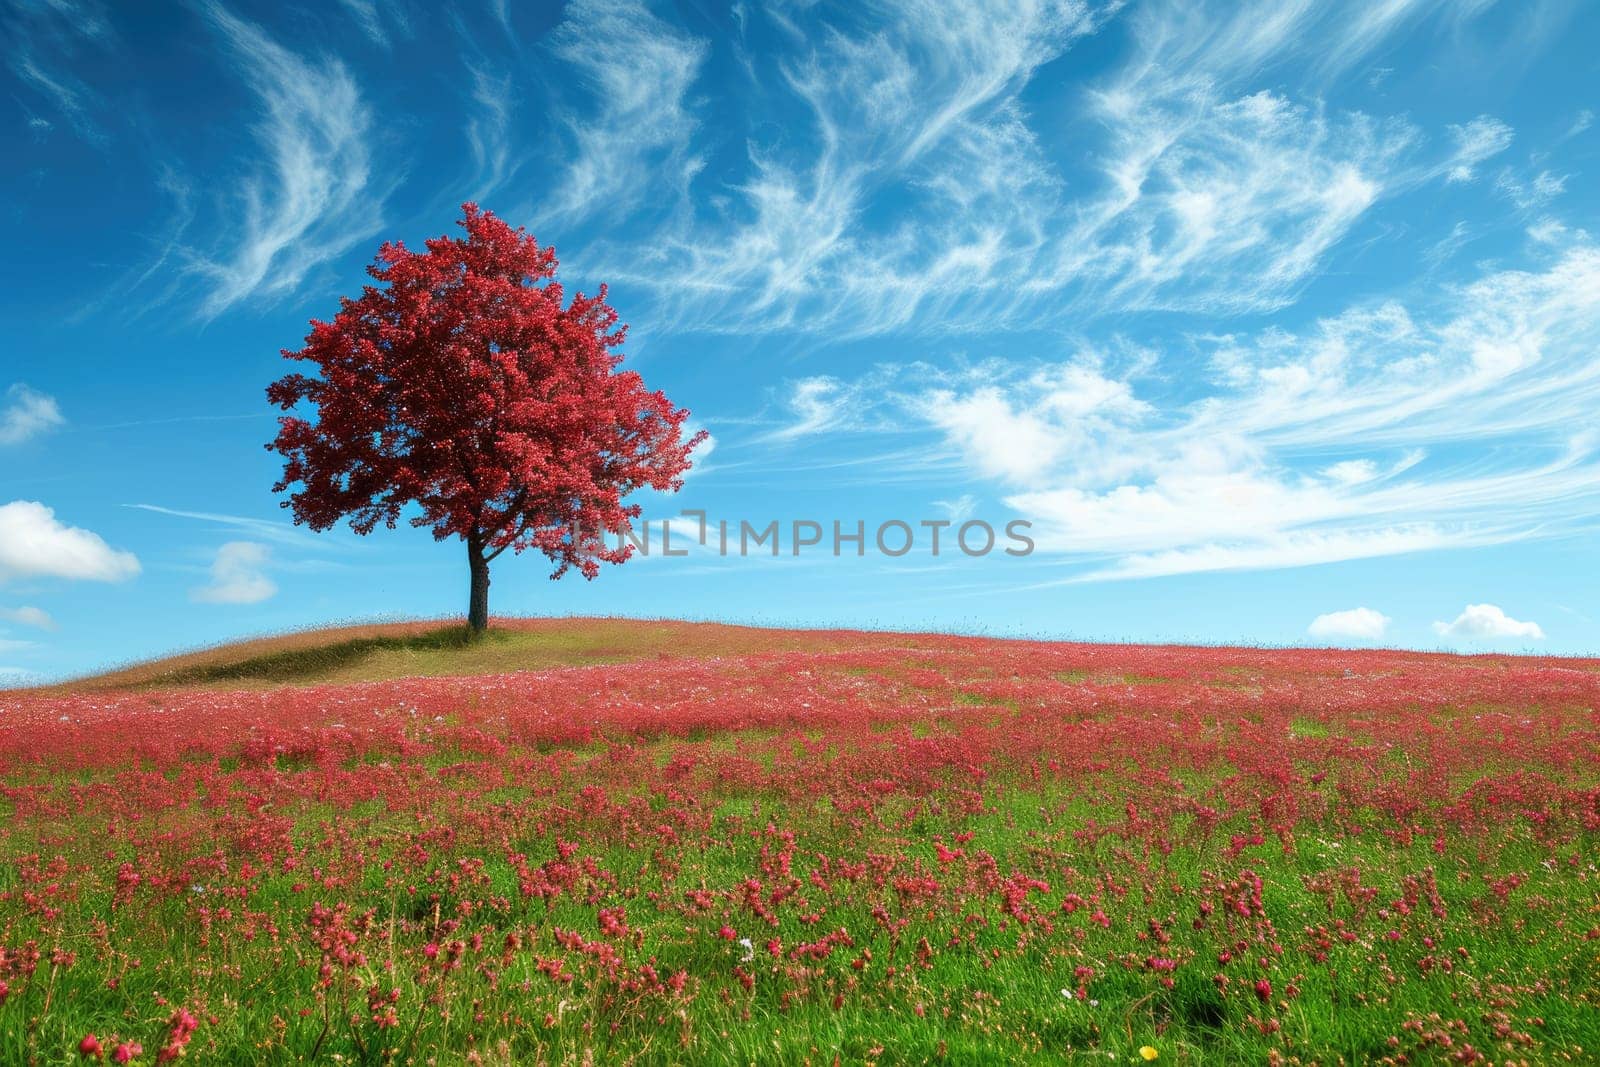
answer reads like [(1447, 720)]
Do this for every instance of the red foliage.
[(463, 385)]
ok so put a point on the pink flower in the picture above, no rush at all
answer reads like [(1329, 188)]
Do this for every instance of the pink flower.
[(89, 1047), (182, 1025)]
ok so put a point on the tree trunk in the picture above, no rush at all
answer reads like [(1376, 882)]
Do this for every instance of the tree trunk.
[(478, 606)]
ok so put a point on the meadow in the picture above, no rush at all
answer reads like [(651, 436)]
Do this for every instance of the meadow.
[(605, 842)]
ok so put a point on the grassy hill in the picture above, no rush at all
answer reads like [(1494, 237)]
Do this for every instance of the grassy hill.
[(433, 648)]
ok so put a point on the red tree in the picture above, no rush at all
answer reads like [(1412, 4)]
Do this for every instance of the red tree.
[(462, 386)]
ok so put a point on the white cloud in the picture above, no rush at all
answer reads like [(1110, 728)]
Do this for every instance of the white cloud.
[(1479, 139), (33, 543), (1006, 420), (913, 108), (28, 616), (960, 509), (1216, 202), (1202, 494), (313, 197), (74, 99), (1275, 551), (1351, 471), (489, 131), (27, 414), (1220, 196), (1368, 26), (1486, 622), (886, 166), (266, 529), (1535, 192), (1447, 246), (922, 199), (1017, 430), (999, 440), (1363, 624), (373, 17), (1384, 429), (633, 146), (972, 53), (815, 404), (501, 9), (47, 44), (237, 576)]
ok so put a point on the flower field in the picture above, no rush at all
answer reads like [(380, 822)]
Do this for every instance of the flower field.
[(892, 849)]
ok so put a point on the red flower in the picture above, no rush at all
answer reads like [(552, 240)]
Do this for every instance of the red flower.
[(181, 1025), (89, 1047)]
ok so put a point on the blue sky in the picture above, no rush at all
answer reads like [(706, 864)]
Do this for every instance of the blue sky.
[(1277, 320)]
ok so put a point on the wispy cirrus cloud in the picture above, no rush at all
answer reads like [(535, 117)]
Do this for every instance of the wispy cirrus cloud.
[(47, 43), (489, 130), (1478, 140), (1279, 551), (314, 197), (814, 405), (1227, 211), (381, 22), (912, 117), (631, 138), (916, 194), (263, 529), (888, 167), (1533, 192), (1495, 379), (1220, 197), (1380, 430)]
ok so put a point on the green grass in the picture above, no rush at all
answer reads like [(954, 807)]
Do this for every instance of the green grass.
[(989, 1003), (325, 662), (422, 649)]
